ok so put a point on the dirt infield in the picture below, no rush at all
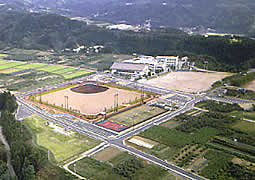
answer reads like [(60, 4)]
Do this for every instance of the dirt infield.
[(187, 81), (251, 86), (91, 103), (89, 89)]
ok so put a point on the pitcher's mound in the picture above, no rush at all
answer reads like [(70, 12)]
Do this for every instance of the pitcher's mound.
[(89, 89)]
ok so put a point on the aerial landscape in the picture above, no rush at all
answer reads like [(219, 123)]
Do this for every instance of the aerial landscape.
[(131, 89)]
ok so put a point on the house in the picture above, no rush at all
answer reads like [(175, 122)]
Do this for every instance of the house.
[(130, 69)]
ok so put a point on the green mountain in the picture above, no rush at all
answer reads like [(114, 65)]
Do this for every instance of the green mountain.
[(51, 31), (235, 16)]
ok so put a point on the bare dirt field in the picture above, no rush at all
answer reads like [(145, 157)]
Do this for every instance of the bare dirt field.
[(107, 154), (187, 81), (91, 103), (251, 86)]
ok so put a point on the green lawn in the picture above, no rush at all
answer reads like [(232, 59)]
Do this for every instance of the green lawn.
[(60, 145)]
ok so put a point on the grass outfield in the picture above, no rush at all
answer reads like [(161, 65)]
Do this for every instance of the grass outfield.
[(60, 145), (136, 115), (76, 74)]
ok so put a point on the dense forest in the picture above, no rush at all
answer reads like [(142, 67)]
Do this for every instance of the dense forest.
[(50, 31), (27, 159)]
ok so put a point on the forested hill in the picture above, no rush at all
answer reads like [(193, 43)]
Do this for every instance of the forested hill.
[(51, 31), (236, 16)]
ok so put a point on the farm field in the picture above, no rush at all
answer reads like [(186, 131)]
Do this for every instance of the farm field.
[(11, 64), (51, 68), (3, 55), (75, 74), (60, 145), (108, 169), (250, 85), (186, 81), (92, 103), (245, 126), (107, 154), (136, 115)]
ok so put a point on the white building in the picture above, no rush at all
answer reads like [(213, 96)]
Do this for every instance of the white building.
[(130, 69), (168, 62)]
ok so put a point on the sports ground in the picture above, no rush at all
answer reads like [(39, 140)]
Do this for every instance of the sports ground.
[(187, 81), (91, 103)]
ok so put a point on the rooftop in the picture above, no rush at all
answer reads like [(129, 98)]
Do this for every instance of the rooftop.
[(128, 66)]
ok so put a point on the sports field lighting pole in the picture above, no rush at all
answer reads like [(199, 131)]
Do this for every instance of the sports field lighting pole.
[(40, 92), (117, 102), (66, 102), (142, 95)]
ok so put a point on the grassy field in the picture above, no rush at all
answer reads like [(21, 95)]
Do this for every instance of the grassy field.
[(76, 74), (136, 115), (245, 126), (172, 137), (60, 145), (51, 68), (31, 66), (93, 169), (65, 70), (3, 55), (10, 64)]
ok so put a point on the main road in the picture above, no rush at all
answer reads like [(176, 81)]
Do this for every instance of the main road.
[(113, 138)]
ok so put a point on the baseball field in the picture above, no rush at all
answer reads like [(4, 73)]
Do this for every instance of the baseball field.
[(91, 98)]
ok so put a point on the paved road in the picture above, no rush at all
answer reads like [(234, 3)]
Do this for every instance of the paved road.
[(106, 136)]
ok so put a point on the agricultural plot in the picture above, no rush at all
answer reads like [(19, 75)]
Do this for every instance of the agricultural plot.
[(31, 66), (3, 55), (76, 74), (51, 68), (136, 115), (245, 126), (60, 145), (65, 70), (11, 64), (121, 166)]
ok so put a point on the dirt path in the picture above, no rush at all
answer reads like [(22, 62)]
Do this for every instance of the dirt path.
[(7, 147)]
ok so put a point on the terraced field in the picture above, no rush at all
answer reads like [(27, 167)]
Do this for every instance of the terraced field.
[(9, 67), (76, 74), (52, 68)]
